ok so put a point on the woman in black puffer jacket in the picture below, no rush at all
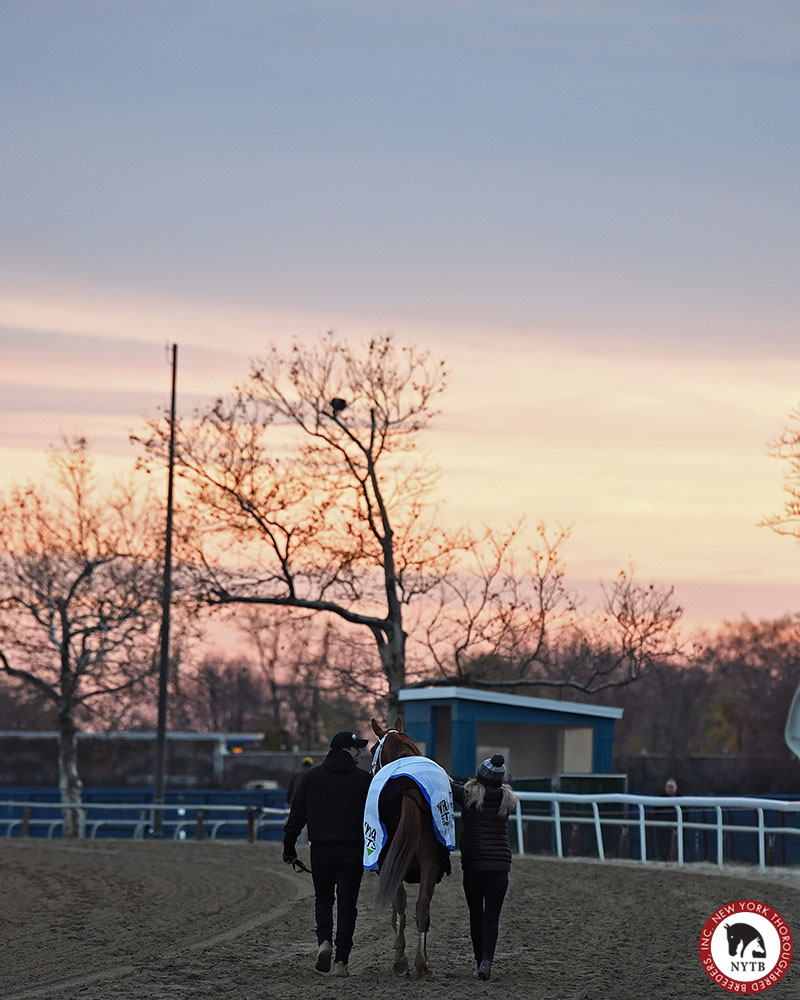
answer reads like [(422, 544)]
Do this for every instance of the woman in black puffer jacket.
[(485, 854)]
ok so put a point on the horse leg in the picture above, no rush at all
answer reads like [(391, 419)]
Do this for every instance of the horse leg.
[(427, 883), (400, 966)]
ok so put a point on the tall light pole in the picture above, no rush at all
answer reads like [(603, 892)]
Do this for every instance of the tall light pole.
[(166, 597)]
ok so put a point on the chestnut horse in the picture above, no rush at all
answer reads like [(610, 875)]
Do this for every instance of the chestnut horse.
[(414, 854)]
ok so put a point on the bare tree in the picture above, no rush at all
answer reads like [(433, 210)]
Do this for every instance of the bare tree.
[(22, 707), (786, 447), (290, 662), (510, 621), (306, 665), (666, 711), (642, 623), (307, 492), (755, 666), (79, 589), (223, 694), (497, 610), (310, 469)]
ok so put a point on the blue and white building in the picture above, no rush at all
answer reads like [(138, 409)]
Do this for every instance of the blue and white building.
[(458, 727)]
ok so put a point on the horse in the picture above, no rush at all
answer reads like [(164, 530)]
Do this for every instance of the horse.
[(414, 853)]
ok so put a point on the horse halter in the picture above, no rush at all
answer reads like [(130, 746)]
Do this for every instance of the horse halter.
[(376, 757)]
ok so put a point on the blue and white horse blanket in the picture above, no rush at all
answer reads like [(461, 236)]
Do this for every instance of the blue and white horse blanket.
[(433, 782)]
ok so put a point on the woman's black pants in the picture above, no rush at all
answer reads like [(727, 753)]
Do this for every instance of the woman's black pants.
[(485, 892)]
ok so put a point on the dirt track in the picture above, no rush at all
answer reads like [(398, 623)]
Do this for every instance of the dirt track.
[(124, 920)]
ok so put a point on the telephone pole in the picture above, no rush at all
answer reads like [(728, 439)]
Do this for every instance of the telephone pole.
[(166, 597)]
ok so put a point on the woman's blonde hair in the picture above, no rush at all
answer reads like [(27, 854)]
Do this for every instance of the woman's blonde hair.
[(474, 792)]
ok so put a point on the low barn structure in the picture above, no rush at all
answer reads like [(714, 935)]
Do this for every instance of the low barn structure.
[(458, 727)]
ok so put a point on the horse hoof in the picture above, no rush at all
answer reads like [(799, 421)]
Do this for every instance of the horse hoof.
[(400, 967)]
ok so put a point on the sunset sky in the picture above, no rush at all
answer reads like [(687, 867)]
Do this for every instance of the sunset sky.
[(591, 210)]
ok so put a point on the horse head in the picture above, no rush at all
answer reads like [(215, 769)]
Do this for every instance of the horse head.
[(392, 744)]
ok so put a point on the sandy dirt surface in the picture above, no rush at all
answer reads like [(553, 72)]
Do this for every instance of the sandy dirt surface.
[(126, 920)]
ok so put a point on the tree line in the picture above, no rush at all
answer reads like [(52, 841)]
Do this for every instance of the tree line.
[(727, 692)]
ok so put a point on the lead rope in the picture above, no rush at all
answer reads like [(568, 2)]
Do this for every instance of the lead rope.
[(376, 757)]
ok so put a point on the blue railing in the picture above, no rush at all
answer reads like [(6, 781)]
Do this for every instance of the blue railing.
[(128, 812)]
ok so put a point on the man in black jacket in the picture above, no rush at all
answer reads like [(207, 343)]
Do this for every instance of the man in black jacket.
[(330, 802)]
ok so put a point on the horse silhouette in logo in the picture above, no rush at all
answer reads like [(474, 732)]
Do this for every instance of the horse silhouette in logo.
[(741, 936)]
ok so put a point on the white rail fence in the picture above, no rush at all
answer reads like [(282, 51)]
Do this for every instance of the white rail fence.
[(632, 818), (641, 813)]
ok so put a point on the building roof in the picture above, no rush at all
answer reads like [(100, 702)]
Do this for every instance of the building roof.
[(515, 700)]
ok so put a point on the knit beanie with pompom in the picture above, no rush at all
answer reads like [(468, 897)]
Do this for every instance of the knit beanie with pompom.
[(492, 771)]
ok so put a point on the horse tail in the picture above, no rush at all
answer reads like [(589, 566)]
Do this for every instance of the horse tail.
[(402, 849)]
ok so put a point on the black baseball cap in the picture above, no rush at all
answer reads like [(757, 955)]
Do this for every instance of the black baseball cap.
[(345, 739)]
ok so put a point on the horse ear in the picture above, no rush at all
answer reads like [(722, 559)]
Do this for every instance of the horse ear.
[(398, 724), (377, 729)]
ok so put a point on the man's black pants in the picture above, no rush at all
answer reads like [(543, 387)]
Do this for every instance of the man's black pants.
[(337, 870), (485, 892)]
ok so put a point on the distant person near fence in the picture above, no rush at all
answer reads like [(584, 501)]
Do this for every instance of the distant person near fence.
[(666, 835), (296, 778)]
